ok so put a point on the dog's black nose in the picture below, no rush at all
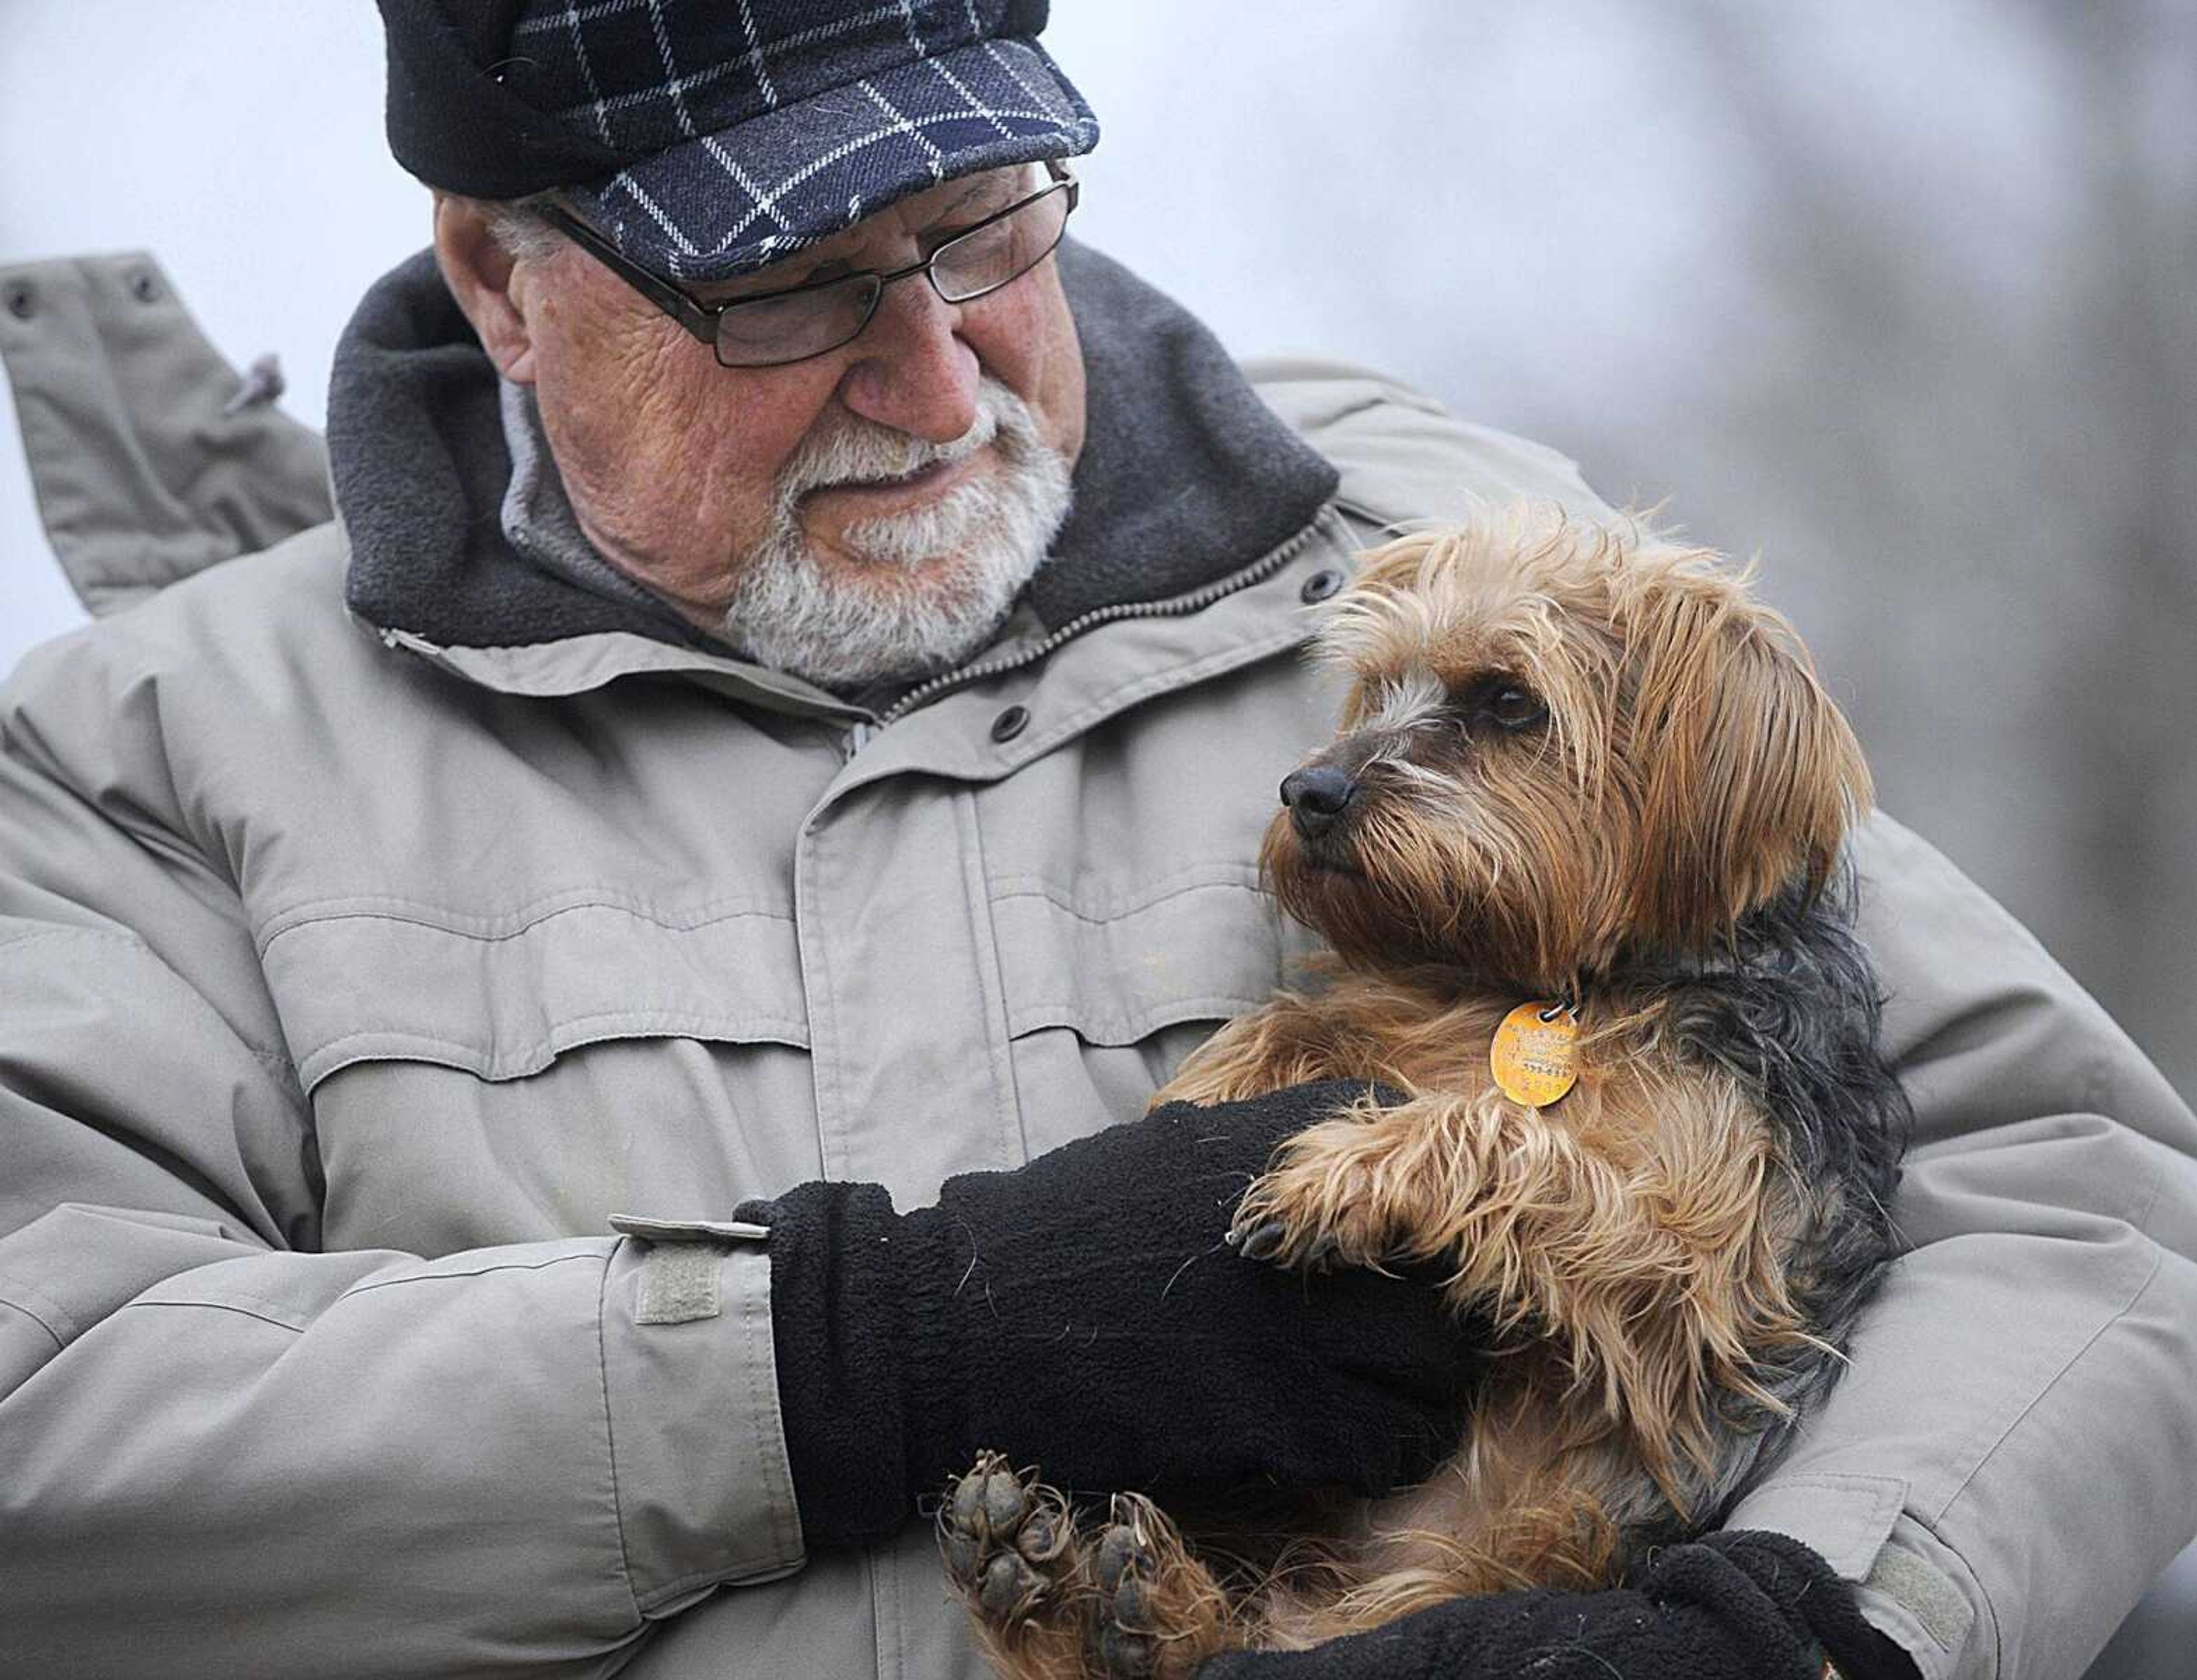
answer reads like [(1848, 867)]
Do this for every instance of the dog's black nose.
[(1316, 796)]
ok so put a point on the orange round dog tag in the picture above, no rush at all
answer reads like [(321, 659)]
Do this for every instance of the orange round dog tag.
[(1534, 1058)]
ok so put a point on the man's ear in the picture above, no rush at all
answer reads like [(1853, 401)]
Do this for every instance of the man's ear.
[(478, 271)]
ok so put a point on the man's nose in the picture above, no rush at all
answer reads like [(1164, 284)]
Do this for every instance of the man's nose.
[(912, 371)]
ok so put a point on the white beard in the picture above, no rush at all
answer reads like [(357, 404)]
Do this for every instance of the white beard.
[(941, 578)]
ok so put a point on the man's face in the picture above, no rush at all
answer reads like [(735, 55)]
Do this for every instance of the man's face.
[(821, 514)]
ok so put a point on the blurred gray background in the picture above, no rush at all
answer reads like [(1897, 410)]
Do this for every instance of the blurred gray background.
[(1900, 294)]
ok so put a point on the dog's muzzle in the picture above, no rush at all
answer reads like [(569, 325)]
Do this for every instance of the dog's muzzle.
[(1318, 796)]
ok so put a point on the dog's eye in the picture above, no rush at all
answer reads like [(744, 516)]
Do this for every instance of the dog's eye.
[(1515, 708), (1506, 703)]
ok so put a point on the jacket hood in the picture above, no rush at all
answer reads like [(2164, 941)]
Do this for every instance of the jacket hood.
[(1185, 476)]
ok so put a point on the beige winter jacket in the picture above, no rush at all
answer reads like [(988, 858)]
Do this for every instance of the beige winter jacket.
[(353, 979)]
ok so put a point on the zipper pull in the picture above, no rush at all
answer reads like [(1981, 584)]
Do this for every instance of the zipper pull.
[(859, 735), (393, 640)]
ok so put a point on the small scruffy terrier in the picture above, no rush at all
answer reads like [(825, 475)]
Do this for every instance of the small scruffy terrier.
[(1578, 853)]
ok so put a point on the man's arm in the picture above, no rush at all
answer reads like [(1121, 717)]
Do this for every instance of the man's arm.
[(221, 1452), (2012, 1457), (225, 1450)]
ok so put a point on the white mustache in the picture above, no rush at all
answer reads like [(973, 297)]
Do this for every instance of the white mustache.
[(858, 451)]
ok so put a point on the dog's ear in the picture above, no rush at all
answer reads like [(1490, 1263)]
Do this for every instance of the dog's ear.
[(1747, 775)]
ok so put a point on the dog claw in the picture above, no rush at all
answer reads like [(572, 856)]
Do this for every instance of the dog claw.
[(1270, 1238)]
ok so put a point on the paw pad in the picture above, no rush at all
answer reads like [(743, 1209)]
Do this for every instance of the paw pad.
[(1125, 1570), (989, 1500), (1126, 1654), (1008, 1584), (1006, 1541)]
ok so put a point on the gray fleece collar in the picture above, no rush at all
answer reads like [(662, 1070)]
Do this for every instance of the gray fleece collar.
[(1184, 476), (537, 517)]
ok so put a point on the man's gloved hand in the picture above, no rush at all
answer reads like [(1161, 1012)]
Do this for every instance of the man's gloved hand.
[(1082, 1314), (1731, 1606)]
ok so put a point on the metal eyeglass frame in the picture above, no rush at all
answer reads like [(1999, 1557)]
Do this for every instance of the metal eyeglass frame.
[(700, 319)]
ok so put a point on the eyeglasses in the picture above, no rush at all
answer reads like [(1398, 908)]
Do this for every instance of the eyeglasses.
[(768, 329)]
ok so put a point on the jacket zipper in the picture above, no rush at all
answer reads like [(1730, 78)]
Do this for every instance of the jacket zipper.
[(1175, 606), (859, 734), (405, 638)]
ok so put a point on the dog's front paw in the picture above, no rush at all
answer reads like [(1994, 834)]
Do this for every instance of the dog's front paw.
[(1315, 1209), (1264, 1237)]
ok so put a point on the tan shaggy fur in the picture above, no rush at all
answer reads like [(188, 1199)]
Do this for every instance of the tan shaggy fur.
[(1627, 1243)]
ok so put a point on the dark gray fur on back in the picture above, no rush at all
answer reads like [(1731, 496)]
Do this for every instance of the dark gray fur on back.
[(1793, 1011)]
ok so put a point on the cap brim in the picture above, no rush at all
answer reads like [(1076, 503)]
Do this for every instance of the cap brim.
[(727, 203)]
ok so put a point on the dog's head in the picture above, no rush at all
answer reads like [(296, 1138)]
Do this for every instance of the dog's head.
[(1565, 745)]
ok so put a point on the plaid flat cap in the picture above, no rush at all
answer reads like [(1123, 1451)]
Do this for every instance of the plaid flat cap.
[(709, 137)]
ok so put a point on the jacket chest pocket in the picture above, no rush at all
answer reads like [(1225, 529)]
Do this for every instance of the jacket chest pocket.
[(1106, 993), (488, 1079)]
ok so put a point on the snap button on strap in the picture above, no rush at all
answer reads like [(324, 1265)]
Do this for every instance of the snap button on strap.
[(1320, 585)]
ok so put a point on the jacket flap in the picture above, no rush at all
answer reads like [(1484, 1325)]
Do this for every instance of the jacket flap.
[(152, 458), (1205, 946), (382, 981), (1846, 1517)]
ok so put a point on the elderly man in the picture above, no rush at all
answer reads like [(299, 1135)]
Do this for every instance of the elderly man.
[(819, 651)]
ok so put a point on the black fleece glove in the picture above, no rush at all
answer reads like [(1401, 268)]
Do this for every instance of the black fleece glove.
[(1083, 1314), (1731, 1606)]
